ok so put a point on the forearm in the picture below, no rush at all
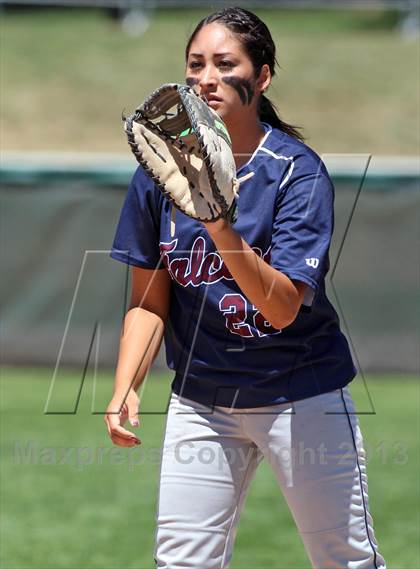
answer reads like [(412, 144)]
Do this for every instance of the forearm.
[(140, 339), (268, 289)]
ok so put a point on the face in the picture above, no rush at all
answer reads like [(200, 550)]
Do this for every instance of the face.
[(219, 69)]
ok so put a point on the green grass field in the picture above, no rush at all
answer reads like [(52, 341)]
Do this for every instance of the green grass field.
[(96, 509), (349, 78)]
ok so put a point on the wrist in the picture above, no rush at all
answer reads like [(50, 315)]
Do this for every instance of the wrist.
[(120, 394), (214, 227)]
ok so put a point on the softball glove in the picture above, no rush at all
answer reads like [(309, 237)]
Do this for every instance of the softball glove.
[(187, 153)]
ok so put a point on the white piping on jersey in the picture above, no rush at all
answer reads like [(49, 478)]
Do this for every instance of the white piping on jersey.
[(259, 147), (280, 157), (245, 177), (273, 155)]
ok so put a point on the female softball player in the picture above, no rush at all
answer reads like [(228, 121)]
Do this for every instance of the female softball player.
[(261, 366)]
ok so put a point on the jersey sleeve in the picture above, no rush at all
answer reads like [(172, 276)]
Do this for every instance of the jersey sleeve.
[(303, 225), (136, 240)]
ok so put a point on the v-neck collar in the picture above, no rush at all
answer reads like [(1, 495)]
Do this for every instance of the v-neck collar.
[(268, 129)]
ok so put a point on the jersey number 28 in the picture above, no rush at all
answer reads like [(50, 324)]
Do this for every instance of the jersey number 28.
[(234, 309)]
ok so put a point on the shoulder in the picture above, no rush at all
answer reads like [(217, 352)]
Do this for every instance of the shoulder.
[(142, 181), (286, 155), (145, 189)]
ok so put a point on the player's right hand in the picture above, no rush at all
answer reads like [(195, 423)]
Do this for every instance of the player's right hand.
[(117, 414)]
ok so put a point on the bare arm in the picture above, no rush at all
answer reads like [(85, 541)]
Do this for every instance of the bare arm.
[(143, 327), (140, 339), (276, 296)]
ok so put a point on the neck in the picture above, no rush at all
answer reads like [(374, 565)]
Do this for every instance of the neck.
[(245, 138)]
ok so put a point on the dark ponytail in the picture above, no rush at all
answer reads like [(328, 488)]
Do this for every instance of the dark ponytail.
[(268, 113), (259, 45)]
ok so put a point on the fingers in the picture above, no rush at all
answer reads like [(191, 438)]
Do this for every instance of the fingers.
[(133, 415), (119, 435), (117, 414), (125, 442), (132, 408)]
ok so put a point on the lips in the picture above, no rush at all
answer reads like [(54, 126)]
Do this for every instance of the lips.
[(212, 98)]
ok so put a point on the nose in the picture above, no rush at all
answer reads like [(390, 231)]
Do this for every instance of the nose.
[(208, 78)]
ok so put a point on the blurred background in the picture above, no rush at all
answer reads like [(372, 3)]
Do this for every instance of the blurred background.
[(349, 75)]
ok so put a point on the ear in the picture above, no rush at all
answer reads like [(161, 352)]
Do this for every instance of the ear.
[(264, 80)]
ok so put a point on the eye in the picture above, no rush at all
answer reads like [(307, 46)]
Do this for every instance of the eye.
[(194, 65), (225, 64)]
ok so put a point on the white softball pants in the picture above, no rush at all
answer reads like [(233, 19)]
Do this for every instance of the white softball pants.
[(209, 458)]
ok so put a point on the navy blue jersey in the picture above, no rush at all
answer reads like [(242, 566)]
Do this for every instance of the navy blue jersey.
[(220, 346)]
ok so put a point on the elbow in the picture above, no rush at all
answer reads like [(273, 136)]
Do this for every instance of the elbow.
[(152, 312), (288, 306), (282, 321), (285, 316), (149, 317)]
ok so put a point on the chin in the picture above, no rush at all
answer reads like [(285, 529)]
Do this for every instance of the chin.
[(223, 113)]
